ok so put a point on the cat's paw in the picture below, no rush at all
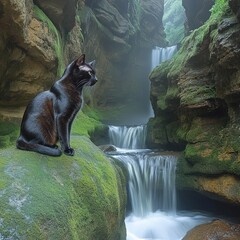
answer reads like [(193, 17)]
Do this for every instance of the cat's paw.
[(69, 151)]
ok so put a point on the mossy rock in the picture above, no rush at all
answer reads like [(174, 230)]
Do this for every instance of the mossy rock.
[(8, 133), (80, 197)]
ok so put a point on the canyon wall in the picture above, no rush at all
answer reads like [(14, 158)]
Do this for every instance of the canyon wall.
[(42, 197), (120, 36), (196, 99)]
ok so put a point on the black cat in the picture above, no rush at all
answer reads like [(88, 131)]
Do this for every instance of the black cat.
[(49, 116)]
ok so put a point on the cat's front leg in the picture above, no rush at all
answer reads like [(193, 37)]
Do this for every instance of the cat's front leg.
[(69, 151), (64, 135)]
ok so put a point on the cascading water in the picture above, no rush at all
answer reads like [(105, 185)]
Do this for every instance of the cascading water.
[(151, 189), (128, 137), (151, 183), (160, 55)]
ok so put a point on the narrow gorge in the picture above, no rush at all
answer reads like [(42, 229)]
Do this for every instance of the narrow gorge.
[(158, 138)]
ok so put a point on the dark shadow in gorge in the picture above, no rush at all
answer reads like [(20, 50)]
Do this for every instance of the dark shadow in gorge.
[(188, 200)]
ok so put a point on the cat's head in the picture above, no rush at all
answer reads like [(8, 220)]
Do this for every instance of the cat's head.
[(83, 73)]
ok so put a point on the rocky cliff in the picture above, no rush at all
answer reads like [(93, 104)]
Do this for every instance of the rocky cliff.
[(41, 197), (121, 35), (196, 100)]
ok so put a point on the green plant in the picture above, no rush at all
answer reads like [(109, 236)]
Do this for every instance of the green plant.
[(173, 21), (58, 46)]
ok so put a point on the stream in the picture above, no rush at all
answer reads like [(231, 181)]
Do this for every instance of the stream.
[(151, 189)]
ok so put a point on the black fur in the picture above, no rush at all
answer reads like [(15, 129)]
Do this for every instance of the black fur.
[(49, 116)]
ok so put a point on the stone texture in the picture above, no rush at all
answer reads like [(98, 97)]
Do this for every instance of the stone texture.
[(235, 6), (110, 17), (121, 38), (197, 12), (29, 64), (62, 13), (196, 95), (226, 187), (215, 230), (151, 33)]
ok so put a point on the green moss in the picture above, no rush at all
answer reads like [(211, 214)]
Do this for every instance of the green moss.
[(157, 131), (8, 133), (192, 43), (85, 125), (161, 102), (58, 46), (172, 93), (161, 70), (184, 180), (196, 94), (173, 21), (208, 159), (44, 197)]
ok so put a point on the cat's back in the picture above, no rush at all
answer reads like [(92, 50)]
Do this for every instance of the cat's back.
[(41, 105)]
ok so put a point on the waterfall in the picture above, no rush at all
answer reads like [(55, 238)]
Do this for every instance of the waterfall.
[(160, 55), (132, 137), (151, 182), (151, 189)]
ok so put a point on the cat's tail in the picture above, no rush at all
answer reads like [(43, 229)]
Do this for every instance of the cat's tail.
[(24, 145)]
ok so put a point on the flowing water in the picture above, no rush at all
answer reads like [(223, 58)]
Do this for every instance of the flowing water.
[(160, 55), (128, 137), (151, 183), (151, 189)]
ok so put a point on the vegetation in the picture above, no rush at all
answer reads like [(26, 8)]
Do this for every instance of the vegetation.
[(173, 21), (42, 197), (58, 46), (87, 122), (8, 133), (193, 42)]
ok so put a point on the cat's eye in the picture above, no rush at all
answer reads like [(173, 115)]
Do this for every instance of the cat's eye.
[(90, 74)]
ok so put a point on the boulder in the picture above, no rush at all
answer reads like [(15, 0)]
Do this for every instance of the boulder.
[(80, 197), (215, 230)]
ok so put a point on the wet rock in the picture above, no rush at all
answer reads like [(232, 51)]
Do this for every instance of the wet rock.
[(197, 12), (235, 6), (199, 91), (121, 38), (151, 23), (216, 230), (30, 62), (108, 148), (109, 16), (62, 13)]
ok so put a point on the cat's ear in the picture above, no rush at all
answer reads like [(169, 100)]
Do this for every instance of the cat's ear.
[(92, 64), (80, 61)]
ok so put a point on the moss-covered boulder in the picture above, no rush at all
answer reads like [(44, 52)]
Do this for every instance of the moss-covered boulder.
[(80, 197)]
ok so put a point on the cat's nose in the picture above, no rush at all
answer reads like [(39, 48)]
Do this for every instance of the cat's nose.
[(93, 81)]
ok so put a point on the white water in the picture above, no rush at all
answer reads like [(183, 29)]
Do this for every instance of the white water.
[(162, 226), (160, 55), (151, 182), (151, 189), (128, 137)]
